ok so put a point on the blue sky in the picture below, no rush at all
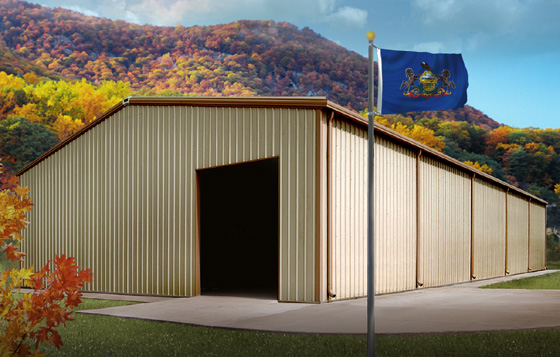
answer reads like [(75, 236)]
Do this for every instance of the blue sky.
[(511, 47)]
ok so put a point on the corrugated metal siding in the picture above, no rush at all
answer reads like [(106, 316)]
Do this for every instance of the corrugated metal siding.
[(489, 230), (348, 211), (445, 224), (122, 198), (518, 234), (324, 205), (538, 237), (395, 217), (395, 220)]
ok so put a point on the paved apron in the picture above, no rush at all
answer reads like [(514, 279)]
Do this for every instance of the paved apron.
[(457, 308)]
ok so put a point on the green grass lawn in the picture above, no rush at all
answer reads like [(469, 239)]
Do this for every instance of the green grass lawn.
[(90, 335), (111, 336), (546, 281)]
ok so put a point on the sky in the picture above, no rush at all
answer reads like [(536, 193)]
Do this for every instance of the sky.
[(511, 48)]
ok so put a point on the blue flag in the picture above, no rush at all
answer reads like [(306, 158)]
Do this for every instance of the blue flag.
[(421, 81)]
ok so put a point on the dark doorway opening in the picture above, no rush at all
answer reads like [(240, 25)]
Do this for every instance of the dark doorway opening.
[(239, 229)]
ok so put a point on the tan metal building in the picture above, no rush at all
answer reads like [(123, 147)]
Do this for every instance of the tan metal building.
[(186, 196)]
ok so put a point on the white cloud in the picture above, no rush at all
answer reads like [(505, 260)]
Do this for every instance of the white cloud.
[(208, 12), (86, 12), (326, 6), (488, 25), (170, 12), (349, 17), (433, 47), (191, 12), (473, 16), (131, 17)]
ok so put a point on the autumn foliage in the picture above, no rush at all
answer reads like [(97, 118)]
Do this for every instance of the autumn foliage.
[(241, 58), (484, 168), (32, 319)]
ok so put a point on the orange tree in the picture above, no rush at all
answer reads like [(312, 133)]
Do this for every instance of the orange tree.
[(31, 318)]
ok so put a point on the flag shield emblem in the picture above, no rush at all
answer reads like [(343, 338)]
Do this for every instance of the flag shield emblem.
[(428, 81)]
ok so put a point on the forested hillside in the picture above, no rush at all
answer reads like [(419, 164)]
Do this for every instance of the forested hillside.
[(59, 70), (241, 58), (528, 158)]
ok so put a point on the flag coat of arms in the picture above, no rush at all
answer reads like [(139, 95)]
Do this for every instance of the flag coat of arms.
[(421, 81)]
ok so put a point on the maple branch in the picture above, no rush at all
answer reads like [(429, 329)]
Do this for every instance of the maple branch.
[(20, 342)]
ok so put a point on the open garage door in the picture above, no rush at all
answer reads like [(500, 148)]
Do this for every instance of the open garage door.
[(239, 229)]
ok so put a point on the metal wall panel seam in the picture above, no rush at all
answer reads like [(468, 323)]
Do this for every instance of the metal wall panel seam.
[(507, 230), (472, 226), (330, 206), (318, 204), (300, 187), (173, 219), (529, 235), (310, 207), (190, 264), (178, 197), (157, 239), (418, 222), (114, 182)]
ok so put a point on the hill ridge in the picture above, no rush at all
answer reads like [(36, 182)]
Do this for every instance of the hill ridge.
[(247, 57)]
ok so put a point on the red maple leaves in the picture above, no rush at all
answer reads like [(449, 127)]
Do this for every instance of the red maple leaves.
[(34, 316)]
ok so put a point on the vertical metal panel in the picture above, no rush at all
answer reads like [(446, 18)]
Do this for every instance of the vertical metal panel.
[(395, 217), (537, 250), (349, 149), (489, 230), (122, 197), (445, 224), (518, 235), (395, 175), (324, 203)]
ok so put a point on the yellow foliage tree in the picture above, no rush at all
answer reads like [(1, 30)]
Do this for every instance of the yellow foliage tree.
[(484, 168), (65, 126), (31, 78), (29, 111), (32, 319), (381, 120), (421, 134), (496, 137), (9, 80)]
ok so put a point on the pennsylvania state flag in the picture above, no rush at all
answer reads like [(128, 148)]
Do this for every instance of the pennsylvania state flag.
[(420, 81)]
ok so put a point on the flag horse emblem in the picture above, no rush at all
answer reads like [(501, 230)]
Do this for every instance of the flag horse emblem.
[(427, 84)]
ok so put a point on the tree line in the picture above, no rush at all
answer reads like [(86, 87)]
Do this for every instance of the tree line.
[(528, 158)]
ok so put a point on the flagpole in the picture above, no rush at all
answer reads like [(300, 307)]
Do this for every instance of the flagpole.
[(370, 203)]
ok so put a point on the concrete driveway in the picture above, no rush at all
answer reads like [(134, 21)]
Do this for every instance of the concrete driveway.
[(457, 308)]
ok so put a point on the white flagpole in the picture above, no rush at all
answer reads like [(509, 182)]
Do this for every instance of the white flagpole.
[(370, 198), (379, 81)]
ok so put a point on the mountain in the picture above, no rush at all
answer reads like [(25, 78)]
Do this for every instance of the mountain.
[(264, 58), (13, 63), (59, 70), (241, 58)]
